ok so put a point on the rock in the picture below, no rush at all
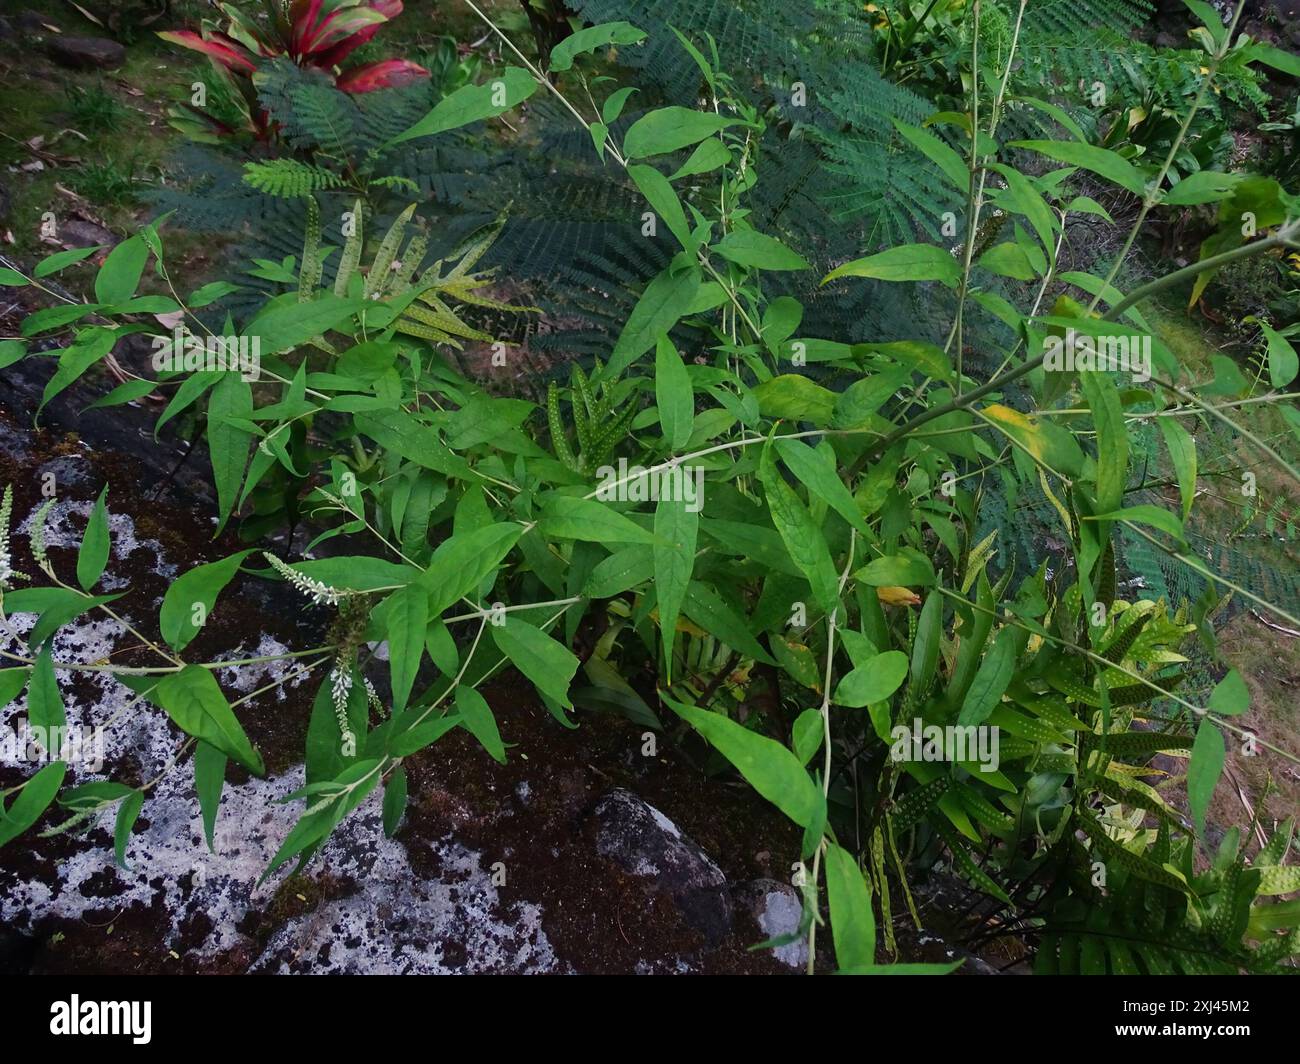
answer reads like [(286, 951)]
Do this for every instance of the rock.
[(401, 923), (32, 22), (16, 952), (78, 233), (645, 843), (69, 473), (944, 902), (775, 909), (86, 53), (15, 443)]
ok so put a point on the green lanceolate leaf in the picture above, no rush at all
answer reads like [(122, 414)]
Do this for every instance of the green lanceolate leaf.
[(324, 814), (816, 470), (188, 601), (462, 563), (1112, 438), (673, 395), (769, 767), (991, 680), (1230, 695), (477, 716), (44, 702), (1283, 364), (422, 735), (925, 647), (1204, 186), (853, 924), (674, 560), (127, 814), (117, 279), (564, 517), (549, 664), (662, 305), (801, 535), (1203, 770), (807, 734), (1145, 514), (873, 681), (1008, 260), (622, 570), (711, 612), (474, 103), (605, 35), (897, 570), (1182, 453), (442, 648), (794, 396), (231, 399), (209, 779), (90, 346), (944, 157), (33, 799), (56, 606), (1101, 161), (669, 129), (93, 555), (12, 681), (660, 195), (194, 701), (748, 247), (407, 623), (61, 260), (395, 791), (908, 262)]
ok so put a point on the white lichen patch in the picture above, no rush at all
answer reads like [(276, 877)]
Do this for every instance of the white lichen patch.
[(395, 921), (399, 923), (65, 524), (283, 672), (778, 914)]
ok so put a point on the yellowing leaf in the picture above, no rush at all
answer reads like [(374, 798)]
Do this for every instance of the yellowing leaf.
[(898, 596)]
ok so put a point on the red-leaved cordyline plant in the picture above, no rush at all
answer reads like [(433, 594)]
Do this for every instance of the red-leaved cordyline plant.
[(312, 33), (320, 34)]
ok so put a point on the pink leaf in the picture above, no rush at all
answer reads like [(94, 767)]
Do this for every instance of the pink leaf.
[(216, 46), (388, 74)]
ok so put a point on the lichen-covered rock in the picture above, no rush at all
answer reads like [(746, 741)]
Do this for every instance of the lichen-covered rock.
[(775, 910), (401, 923), (646, 844)]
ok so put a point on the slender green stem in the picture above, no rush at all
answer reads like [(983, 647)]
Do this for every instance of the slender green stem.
[(831, 623)]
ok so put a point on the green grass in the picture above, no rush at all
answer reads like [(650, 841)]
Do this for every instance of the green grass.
[(93, 108), (105, 136)]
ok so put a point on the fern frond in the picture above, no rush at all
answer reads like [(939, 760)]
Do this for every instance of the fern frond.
[(288, 178), (384, 258), (351, 251)]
